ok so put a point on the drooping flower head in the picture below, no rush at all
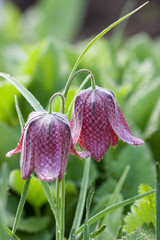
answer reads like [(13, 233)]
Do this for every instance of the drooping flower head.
[(44, 145), (97, 121)]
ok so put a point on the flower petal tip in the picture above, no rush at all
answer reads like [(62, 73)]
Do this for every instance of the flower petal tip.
[(10, 153)]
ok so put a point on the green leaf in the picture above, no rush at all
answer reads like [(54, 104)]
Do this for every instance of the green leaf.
[(86, 232), (35, 196), (136, 158), (89, 199), (38, 20), (30, 224), (116, 206), (82, 195), (136, 235), (20, 117), (153, 123), (9, 138), (3, 199), (142, 211), (146, 96), (98, 231), (45, 235), (29, 97)]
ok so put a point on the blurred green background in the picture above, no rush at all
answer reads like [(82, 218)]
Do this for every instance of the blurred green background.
[(39, 46)]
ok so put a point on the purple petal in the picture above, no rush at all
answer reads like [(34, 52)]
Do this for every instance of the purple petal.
[(117, 120), (96, 130), (77, 115), (82, 154), (48, 149), (32, 116), (17, 149), (65, 141), (27, 159)]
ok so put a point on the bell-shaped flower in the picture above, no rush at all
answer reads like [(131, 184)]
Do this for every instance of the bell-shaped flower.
[(44, 145), (97, 121)]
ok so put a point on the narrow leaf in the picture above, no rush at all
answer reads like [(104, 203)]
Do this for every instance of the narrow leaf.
[(3, 198), (20, 117), (118, 187), (89, 199), (98, 231), (73, 234), (50, 199), (86, 232), (21, 205), (82, 195), (157, 201), (28, 96), (10, 234), (114, 207)]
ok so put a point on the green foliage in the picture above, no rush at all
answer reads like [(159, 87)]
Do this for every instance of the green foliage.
[(136, 235), (35, 196), (34, 49), (142, 211), (30, 225)]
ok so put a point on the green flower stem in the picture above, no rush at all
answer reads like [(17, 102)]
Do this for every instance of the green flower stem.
[(157, 201), (82, 196), (79, 89), (114, 207), (62, 222), (49, 196), (57, 201), (101, 34), (74, 76), (10, 233), (21, 204), (51, 99)]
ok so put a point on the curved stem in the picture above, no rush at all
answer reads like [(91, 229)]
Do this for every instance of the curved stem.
[(79, 89), (75, 75), (51, 99), (101, 34)]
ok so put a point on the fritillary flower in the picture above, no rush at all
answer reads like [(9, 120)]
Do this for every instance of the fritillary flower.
[(44, 146), (97, 121)]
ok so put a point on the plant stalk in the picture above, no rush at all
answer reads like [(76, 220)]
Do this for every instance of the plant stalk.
[(157, 201)]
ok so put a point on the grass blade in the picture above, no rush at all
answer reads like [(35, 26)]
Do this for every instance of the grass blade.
[(113, 208), (10, 234), (21, 204), (157, 201), (86, 234), (28, 96), (20, 117), (3, 198), (82, 196)]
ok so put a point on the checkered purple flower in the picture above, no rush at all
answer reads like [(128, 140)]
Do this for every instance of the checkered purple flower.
[(97, 121), (44, 145)]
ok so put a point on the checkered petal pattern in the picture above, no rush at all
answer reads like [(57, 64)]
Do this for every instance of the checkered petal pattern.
[(44, 145), (97, 121)]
